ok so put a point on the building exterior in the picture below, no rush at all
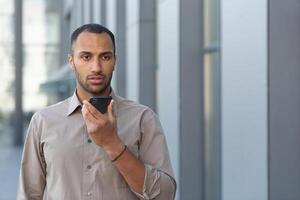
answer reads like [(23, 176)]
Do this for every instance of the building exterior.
[(6, 63), (220, 74)]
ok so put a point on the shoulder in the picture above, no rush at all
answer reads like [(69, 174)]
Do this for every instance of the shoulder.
[(132, 110), (52, 112), (132, 107)]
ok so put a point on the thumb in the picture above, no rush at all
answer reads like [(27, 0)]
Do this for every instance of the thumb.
[(110, 111)]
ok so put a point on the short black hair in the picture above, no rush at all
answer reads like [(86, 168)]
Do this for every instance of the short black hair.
[(92, 28)]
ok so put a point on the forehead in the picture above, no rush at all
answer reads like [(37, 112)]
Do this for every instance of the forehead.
[(93, 42)]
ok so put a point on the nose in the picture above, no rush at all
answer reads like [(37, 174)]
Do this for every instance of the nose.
[(96, 66)]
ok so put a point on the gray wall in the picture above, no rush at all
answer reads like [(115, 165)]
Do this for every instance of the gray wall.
[(284, 98)]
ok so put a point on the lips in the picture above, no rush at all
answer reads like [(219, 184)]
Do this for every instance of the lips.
[(96, 79)]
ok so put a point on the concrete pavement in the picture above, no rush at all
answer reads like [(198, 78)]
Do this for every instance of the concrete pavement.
[(9, 171)]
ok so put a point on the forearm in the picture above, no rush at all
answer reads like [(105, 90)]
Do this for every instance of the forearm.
[(132, 170), (145, 181)]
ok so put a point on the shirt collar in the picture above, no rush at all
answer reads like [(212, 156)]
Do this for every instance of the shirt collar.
[(74, 102)]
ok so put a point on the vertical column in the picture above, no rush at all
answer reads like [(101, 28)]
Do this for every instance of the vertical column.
[(99, 12), (96, 11), (64, 45), (103, 12), (168, 78), (141, 53), (148, 61), (212, 110), (191, 100), (121, 35), (18, 117), (132, 49), (87, 12), (111, 12), (284, 98), (77, 14), (244, 61), (91, 13), (73, 17)]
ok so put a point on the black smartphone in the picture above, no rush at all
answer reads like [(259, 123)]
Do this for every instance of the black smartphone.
[(100, 102)]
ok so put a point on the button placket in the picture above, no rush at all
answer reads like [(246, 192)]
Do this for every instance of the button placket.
[(87, 184)]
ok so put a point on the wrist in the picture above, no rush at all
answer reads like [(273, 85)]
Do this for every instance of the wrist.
[(114, 148), (119, 155)]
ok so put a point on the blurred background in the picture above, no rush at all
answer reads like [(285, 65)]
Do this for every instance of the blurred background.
[(221, 75)]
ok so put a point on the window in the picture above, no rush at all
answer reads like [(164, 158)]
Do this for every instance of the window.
[(212, 99)]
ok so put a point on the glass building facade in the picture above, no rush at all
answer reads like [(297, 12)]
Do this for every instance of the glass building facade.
[(221, 75)]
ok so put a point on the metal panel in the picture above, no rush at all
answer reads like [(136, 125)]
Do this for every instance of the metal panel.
[(147, 53), (191, 100), (18, 117), (103, 12), (284, 98), (120, 73)]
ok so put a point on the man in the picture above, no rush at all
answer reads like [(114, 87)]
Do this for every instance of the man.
[(72, 151)]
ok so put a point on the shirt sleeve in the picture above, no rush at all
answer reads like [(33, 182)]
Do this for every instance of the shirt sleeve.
[(159, 182), (32, 178)]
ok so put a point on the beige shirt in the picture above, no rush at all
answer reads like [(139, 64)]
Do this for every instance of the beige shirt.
[(60, 162)]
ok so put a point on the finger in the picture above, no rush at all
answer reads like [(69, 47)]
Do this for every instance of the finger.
[(111, 114), (93, 110), (85, 113), (90, 121), (88, 116)]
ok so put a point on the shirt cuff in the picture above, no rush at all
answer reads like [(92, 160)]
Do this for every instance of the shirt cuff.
[(151, 187)]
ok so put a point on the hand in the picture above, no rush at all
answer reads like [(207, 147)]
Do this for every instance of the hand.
[(102, 128)]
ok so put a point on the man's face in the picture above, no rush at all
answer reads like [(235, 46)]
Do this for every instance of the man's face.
[(93, 61)]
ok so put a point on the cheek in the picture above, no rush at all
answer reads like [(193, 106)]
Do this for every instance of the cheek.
[(109, 68), (81, 73)]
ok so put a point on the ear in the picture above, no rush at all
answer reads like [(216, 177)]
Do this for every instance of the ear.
[(71, 61)]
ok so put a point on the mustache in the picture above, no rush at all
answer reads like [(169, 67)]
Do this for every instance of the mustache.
[(98, 75)]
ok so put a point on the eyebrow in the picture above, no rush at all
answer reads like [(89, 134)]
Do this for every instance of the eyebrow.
[(106, 52), (103, 53), (84, 52)]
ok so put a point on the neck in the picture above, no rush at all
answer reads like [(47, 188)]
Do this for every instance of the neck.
[(83, 95)]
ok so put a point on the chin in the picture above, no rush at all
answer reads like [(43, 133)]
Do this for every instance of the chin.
[(97, 91)]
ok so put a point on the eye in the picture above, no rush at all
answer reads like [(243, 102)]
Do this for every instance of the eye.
[(106, 57), (86, 57)]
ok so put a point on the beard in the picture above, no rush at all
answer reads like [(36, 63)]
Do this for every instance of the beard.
[(93, 91)]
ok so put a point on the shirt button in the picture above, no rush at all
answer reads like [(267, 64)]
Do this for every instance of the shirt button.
[(89, 166), (89, 193), (89, 141)]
